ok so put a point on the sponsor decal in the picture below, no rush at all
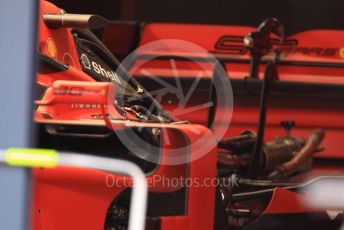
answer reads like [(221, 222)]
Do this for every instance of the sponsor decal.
[(77, 91), (68, 60), (51, 48), (85, 61), (67, 90), (94, 66), (103, 92), (230, 44), (86, 106), (341, 53)]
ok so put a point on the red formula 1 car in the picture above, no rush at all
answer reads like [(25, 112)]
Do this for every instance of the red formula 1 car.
[(89, 102), (84, 97)]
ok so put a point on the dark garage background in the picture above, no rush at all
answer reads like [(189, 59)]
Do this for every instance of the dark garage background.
[(297, 15)]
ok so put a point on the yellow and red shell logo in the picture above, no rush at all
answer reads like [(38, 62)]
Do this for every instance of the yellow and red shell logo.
[(51, 48), (341, 53)]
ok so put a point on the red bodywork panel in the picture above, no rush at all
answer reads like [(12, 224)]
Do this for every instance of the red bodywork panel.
[(225, 43), (69, 198)]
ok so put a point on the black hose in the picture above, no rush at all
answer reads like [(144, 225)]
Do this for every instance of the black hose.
[(264, 183)]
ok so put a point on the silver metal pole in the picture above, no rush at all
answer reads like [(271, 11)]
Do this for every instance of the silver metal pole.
[(137, 214), (138, 202)]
